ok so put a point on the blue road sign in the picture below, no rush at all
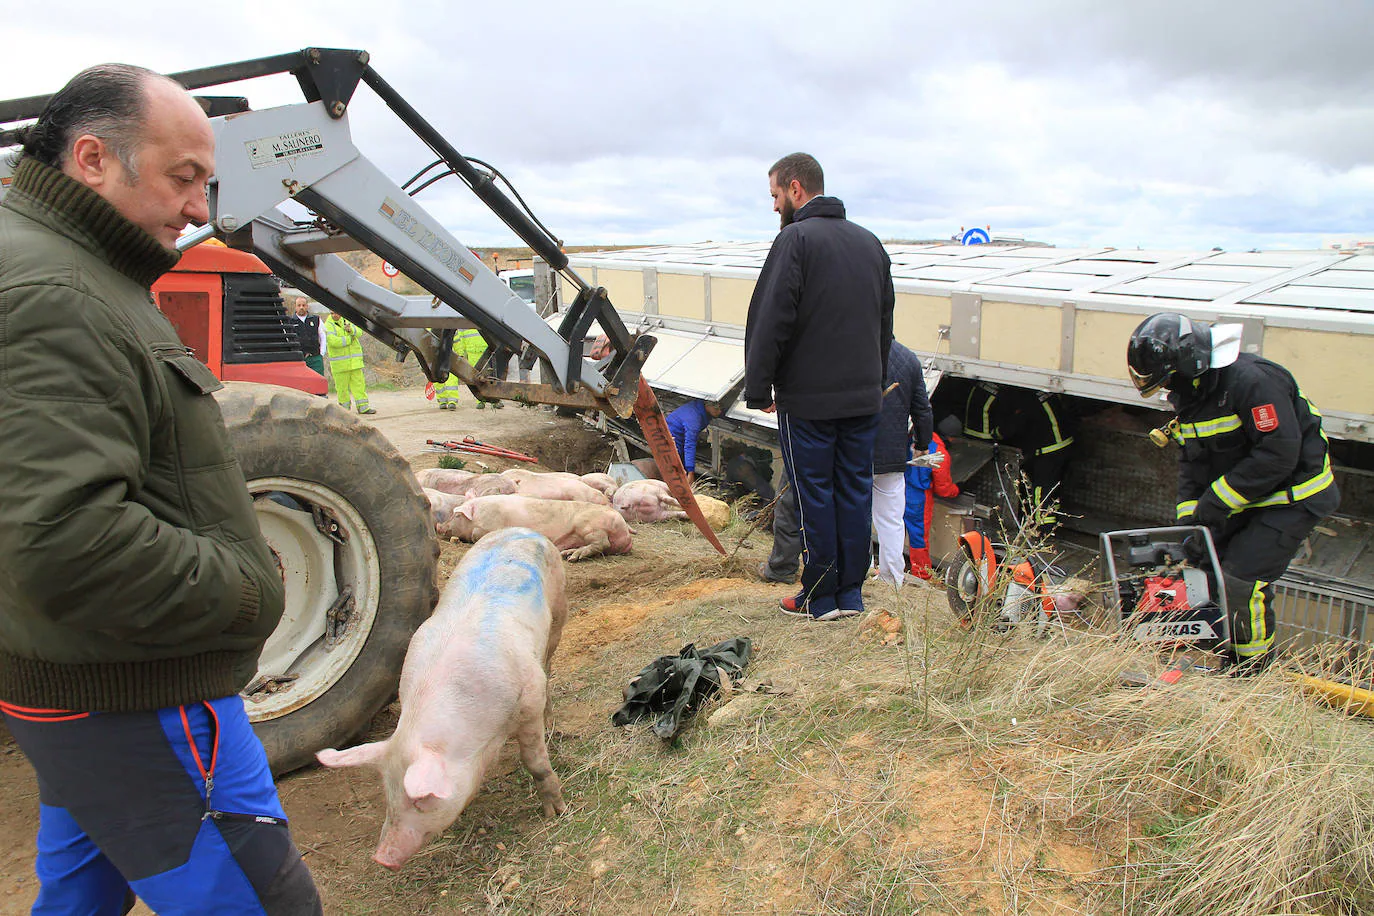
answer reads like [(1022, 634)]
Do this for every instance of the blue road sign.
[(976, 236)]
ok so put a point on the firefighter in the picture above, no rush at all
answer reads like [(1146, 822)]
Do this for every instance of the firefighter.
[(471, 346), (1037, 424), (978, 412), (1253, 468), (1040, 426), (342, 340)]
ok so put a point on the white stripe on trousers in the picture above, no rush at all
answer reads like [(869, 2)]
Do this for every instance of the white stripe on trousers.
[(785, 428), (889, 507)]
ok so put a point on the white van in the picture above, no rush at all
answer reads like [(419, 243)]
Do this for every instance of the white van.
[(521, 282)]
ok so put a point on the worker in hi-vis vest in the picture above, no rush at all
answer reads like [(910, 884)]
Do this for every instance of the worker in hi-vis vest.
[(343, 341), (446, 392), (471, 346)]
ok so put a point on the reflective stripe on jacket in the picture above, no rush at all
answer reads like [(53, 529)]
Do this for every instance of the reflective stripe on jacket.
[(978, 422), (469, 345)]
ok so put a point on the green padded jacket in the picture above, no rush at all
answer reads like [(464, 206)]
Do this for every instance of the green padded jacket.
[(133, 574)]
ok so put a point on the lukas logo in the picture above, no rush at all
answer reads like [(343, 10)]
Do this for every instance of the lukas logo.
[(1174, 630), (1266, 418)]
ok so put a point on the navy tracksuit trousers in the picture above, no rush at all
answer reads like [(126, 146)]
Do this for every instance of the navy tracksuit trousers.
[(830, 464)]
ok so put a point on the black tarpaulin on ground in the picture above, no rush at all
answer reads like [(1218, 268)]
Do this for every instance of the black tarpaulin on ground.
[(673, 687)]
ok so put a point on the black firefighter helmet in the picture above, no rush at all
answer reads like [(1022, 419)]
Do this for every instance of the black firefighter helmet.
[(1168, 348)]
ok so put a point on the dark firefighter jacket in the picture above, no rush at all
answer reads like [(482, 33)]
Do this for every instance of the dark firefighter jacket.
[(1037, 423), (1250, 439), (978, 412), (133, 574)]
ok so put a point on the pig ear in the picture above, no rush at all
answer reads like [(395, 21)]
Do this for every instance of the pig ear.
[(361, 756), (467, 509), (426, 782)]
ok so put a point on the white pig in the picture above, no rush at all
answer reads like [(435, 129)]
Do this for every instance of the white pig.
[(554, 485), (603, 482), (580, 530), (441, 504), (476, 673), (445, 480), (647, 501), (488, 485)]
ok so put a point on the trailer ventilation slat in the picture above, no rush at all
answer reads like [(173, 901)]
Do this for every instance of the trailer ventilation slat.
[(256, 327)]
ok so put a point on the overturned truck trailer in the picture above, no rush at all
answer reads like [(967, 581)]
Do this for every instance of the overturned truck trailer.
[(1057, 320)]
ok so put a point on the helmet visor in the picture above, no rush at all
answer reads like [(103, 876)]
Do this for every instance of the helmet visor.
[(1147, 384)]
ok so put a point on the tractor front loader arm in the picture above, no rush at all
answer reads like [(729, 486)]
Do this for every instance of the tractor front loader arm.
[(292, 188)]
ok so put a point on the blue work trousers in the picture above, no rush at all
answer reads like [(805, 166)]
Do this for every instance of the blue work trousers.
[(123, 812), (830, 463)]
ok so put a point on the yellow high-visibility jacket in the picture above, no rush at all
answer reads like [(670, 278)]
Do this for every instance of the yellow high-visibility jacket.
[(343, 341)]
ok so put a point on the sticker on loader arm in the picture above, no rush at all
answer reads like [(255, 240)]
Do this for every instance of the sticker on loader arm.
[(1173, 631), (267, 151), (443, 252)]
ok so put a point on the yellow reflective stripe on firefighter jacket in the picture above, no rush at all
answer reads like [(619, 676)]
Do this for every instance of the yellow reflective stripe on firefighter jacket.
[(344, 344), (1249, 438), (1060, 441), (978, 424), (1201, 430)]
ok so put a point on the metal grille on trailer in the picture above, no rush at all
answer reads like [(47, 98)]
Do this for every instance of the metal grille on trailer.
[(1313, 610)]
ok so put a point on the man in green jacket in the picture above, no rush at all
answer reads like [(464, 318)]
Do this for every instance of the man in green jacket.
[(136, 589)]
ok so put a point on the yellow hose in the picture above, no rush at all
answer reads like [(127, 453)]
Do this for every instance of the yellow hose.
[(1345, 697)]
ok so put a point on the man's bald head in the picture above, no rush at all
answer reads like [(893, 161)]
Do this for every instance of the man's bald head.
[(136, 138), (109, 101)]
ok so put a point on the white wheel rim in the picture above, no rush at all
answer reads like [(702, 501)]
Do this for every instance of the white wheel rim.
[(315, 569)]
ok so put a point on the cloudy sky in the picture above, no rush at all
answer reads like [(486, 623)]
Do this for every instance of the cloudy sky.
[(1162, 124)]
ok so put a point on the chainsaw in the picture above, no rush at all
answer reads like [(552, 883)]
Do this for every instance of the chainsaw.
[(1034, 586)]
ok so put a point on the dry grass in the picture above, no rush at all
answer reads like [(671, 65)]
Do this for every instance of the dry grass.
[(964, 771)]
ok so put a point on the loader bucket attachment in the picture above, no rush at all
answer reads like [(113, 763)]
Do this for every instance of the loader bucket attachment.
[(655, 427)]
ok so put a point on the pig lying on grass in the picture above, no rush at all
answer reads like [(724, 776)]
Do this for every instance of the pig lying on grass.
[(579, 530), (647, 501), (476, 674)]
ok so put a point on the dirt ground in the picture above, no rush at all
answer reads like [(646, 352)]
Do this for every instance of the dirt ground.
[(335, 817), (947, 774), (625, 611)]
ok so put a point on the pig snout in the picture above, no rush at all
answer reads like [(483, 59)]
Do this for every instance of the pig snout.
[(456, 526), (396, 847)]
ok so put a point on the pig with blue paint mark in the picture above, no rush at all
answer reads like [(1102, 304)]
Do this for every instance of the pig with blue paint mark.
[(476, 673)]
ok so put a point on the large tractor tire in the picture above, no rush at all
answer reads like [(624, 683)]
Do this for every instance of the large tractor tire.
[(344, 516)]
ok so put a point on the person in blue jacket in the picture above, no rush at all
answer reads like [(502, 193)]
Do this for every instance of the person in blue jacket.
[(686, 424)]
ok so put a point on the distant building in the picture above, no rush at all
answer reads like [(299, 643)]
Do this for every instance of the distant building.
[(1347, 244)]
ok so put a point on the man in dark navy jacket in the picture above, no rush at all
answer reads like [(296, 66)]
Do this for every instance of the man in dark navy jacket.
[(815, 345)]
